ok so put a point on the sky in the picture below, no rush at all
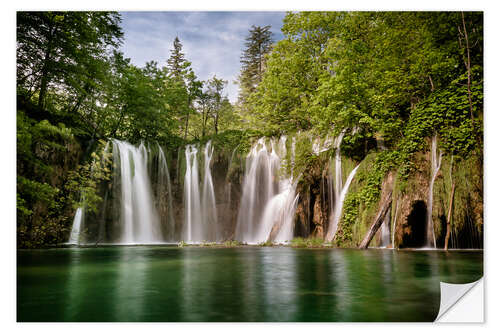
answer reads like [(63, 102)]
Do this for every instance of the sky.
[(212, 41)]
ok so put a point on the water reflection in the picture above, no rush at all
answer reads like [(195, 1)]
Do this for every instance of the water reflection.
[(340, 280), (279, 284), (75, 293), (131, 275), (236, 284)]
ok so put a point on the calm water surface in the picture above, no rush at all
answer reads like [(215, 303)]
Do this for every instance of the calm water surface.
[(156, 283)]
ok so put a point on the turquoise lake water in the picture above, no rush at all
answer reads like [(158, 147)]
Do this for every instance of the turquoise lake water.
[(162, 283)]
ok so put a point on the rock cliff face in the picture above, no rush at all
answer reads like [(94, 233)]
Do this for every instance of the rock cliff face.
[(409, 208), (51, 211), (413, 206), (311, 217)]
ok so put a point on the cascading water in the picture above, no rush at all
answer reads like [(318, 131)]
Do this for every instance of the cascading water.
[(280, 212), (340, 191), (338, 165), (139, 218), (268, 201), (394, 222), (258, 188), (208, 206), (277, 220), (192, 205), (385, 236), (435, 166), (200, 212), (136, 212), (74, 237), (319, 147), (339, 203)]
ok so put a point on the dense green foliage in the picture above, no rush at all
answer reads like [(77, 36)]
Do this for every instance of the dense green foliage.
[(377, 72)]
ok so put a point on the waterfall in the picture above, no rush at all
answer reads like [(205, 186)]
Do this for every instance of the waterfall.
[(339, 191), (164, 181), (385, 236), (316, 146), (335, 187), (200, 212), (209, 209), (394, 222), (268, 200), (319, 147), (258, 188), (338, 165), (139, 219), (74, 237), (435, 165), (141, 206), (192, 205), (280, 212), (339, 202)]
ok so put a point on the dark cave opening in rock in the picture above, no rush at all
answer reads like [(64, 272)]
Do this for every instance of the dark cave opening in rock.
[(441, 234), (414, 235)]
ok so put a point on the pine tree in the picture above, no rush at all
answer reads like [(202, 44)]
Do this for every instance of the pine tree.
[(257, 44), (177, 63), (187, 83)]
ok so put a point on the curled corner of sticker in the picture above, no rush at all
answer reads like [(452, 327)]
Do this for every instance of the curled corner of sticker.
[(461, 303)]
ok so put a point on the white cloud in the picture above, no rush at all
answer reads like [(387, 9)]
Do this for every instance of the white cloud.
[(212, 41)]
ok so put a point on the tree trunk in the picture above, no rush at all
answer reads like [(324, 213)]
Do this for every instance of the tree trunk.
[(122, 114), (448, 220), (384, 209), (44, 83), (204, 121), (216, 123), (187, 118), (186, 128), (44, 80), (467, 64), (86, 91)]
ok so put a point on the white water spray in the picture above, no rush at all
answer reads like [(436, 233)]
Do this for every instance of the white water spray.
[(385, 236), (192, 206), (209, 209), (339, 192), (339, 202), (74, 237), (139, 219), (338, 165), (394, 222), (435, 166), (268, 201), (200, 212)]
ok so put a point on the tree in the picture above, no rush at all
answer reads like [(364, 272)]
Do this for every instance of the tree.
[(60, 49), (177, 63), (185, 83), (215, 88), (257, 45), (284, 99)]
